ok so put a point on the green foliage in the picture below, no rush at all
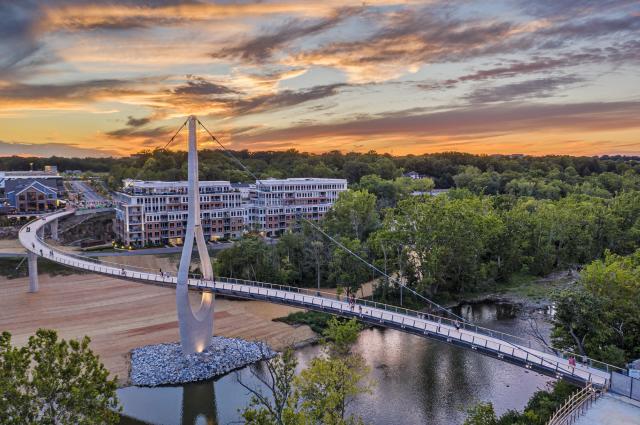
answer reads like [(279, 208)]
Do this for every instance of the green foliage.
[(316, 320), (353, 215), (279, 406), (54, 381), (600, 317), (340, 335), (320, 394), (389, 192), (538, 410), (481, 414), (327, 387), (445, 242), (347, 270)]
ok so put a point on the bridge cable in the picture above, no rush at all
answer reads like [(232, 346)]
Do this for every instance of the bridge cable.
[(338, 243), (176, 134)]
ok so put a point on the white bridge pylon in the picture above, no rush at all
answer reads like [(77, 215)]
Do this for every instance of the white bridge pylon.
[(196, 328)]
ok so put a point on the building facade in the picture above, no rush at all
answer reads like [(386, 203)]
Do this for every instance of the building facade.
[(278, 202), (154, 212), (31, 192), (32, 198)]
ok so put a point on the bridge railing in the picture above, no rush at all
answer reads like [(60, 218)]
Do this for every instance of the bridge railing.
[(118, 269), (526, 343), (576, 405), (417, 324)]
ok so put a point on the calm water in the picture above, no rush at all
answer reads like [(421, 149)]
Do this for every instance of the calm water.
[(417, 381)]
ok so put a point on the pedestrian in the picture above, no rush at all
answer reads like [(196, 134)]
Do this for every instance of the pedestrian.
[(572, 362), (360, 308), (457, 324), (123, 272), (161, 272)]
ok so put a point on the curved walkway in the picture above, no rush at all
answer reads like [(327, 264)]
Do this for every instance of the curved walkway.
[(489, 342)]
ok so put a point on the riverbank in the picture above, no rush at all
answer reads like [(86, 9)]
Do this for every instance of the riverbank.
[(527, 291), (120, 316)]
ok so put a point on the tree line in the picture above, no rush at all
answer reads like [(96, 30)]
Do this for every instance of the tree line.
[(541, 177)]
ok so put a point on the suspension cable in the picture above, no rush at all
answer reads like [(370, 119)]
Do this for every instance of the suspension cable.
[(338, 243), (176, 134)]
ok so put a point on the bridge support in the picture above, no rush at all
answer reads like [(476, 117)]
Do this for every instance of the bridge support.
[(195, 328), (32, 261), (53, 229)]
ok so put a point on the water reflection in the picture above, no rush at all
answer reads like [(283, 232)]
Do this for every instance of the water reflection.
[(418, 381), (199, 404)]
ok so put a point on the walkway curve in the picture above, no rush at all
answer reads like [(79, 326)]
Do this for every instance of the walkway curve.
[(489, 342)]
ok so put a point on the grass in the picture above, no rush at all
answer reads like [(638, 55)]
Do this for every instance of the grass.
[(315, 320)]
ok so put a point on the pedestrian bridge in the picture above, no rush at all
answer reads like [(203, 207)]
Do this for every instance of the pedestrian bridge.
[(499, 345)]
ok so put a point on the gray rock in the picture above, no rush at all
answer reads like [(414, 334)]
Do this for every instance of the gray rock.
[(165, 364)]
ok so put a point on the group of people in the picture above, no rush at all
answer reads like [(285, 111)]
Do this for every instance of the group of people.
[(352, 303)]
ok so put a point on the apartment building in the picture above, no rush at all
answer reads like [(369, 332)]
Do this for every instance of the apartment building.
[(156, 212), (278, 202)]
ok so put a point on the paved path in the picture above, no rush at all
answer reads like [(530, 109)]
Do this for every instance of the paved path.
[(611, 410), (486, 341)]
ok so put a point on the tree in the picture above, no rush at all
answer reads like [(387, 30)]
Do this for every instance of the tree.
[(339, 336), (320, 394), (353, 215), (481, 414), (347, 270), (53, 381), (600, 317), (278, 406), (538, 410), (317, 251), (327, 387)]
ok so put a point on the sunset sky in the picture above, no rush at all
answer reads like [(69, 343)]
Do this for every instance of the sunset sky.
[(96, 78)]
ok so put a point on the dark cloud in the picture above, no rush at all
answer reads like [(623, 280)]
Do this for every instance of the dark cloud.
[(51, 149), (137, 122), (128, 132), (557, 9), (471, 121), (81, 90), (285, 98), (536, 88), (199, 86), (589, 28), (19, 42), (262, 47)]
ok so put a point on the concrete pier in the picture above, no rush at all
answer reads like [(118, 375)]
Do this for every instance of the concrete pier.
[(32, 260), (53, 229)]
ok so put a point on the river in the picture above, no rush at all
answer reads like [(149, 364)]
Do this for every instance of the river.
[(417, 381)]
